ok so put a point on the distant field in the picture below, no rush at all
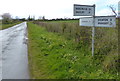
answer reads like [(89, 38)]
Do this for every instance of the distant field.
[(62, 50)]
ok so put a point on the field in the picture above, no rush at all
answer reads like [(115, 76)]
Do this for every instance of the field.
[(62, 50)]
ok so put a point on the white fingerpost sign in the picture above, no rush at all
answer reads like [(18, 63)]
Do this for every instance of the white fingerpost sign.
[(105, 21), (84, 10), (86, 21), (100, 21)]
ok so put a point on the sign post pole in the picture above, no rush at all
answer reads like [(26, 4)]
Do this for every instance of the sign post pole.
[(93, 32), (94, 21), (93, 36)]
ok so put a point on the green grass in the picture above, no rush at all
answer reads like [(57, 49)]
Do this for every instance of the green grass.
[(0, 24), (53, 56), (4, 26)]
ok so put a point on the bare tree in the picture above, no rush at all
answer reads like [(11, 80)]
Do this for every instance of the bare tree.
[(113, 9), (6, 18)]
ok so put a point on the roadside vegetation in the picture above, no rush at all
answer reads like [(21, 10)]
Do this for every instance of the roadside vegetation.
[(62, 50), (4, 26), (7, 21), (0, 24)]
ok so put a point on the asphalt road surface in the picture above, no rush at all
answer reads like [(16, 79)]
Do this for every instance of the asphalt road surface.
[(14, 52)]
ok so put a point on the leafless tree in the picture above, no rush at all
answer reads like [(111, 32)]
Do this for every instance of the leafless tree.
[(113, 9)]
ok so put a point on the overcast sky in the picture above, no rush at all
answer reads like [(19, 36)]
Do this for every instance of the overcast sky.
[(53, 8)]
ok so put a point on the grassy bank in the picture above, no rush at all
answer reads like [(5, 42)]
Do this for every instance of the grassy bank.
[(54, 56), (4, 26)]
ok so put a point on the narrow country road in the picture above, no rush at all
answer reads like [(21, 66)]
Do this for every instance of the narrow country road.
[(14, 52)]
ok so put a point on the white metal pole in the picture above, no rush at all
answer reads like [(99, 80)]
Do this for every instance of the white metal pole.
[(93, 32)]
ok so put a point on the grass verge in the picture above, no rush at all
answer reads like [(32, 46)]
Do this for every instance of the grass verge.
[(52, 56), (4, 26)]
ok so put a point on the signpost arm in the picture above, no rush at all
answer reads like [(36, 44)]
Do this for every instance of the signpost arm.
[(93, 32)]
